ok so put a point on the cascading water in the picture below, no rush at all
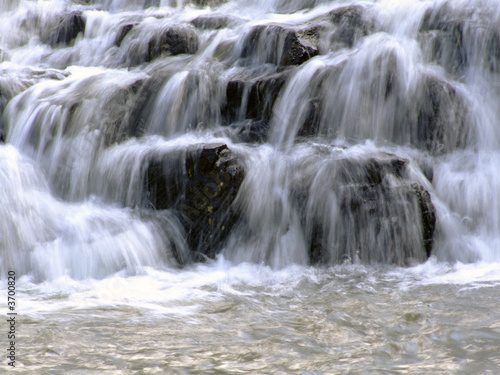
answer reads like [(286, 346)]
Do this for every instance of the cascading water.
[(235, 167)]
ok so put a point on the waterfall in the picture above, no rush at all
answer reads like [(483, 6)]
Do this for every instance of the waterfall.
[(158, 133)]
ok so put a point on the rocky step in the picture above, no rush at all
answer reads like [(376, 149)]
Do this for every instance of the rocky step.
[(200, 183), (279, 45), (378, 214)]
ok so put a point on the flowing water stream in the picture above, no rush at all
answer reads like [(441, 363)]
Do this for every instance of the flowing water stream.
[(262, 187)]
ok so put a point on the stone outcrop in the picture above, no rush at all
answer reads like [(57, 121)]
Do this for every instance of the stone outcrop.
[(122, 33), (443, 117), (455, 39), (273, 44), (66, 30), (200, 183), (143, 42), (173, 41), (350, 24), (205, 3), (377, 215), (215, 21), (252, 99)]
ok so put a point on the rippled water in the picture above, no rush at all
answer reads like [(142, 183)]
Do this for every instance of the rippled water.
[(226, 319)]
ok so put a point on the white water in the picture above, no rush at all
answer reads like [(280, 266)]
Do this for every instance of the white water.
[(99, 289)]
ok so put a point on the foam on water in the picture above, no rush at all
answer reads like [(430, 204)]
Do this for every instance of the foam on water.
[(84, 117)]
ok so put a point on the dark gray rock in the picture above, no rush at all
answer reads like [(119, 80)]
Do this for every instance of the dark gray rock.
[(173, 41), (124, 30), (444, 35), (3, 103), (204, 3), (70, 25), (280, 46), (200, 183), (428, 216), (378, 214), (351, 23), (457, 39), (215, 21), (252, 99), (443, 118)]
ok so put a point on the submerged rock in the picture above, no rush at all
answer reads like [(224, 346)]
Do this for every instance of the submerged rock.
[(215, 21), (280, 46), (252, 99), (173, 41), (14, 81), (124, 30), (144, 42), (200, 183), (351, 23), (205, 3), (443, 36), (365, 210), (67, 29), (443, 118), (458, 38)]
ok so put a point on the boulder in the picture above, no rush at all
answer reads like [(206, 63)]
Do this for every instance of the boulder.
[(365, 210), (350, 24), (442, 36), (205, 3), (457, 39), (200, 183), (273, 44), (434, 117), (428, 216), (3, 103), (70, 25), (443, 118), (215, 21), (122, 33), (173, 40), (252, 99)]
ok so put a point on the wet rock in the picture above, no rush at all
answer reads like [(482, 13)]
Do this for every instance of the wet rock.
[(204, 3), (428, 216), (280, 46), (3, 103), (68, 28), (351, 23), (458, 38), (311, 125), (443, 117), (111, 115), (14, 81), (173, 41), (253, 99), (492, 59), (124, 30), (215, 21), (443, 36), (253, 131), (367, 211), (201, 184)]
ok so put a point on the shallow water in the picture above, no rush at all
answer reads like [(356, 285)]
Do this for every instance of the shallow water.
[(223, 318)]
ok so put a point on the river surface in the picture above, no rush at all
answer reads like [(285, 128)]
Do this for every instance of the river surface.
[(226, 319), (92, 90)]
